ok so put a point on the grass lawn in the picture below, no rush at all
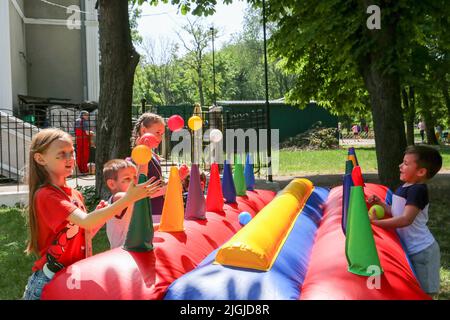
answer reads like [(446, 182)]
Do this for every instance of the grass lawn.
[(15, 265), (332, 161)]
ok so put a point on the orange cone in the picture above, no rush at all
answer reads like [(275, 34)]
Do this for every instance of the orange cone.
[(214, 198), (172, 217)]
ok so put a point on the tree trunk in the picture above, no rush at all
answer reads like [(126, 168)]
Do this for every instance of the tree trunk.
[(389, 127), (410, 113), (118, 64), (384, 89), (430, 122), (444, 89)]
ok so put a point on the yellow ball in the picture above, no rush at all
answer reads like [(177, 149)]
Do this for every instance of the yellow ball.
[(195, 123), (141, 154), (377, 210)]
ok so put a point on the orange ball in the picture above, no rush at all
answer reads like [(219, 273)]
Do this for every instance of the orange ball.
[(195, 123), (141, 154)]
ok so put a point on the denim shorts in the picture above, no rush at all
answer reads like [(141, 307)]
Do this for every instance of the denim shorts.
[(36, 283), (426, 264)]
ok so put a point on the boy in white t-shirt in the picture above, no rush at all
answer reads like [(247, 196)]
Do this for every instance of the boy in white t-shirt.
[(118, 175), (409, 212)]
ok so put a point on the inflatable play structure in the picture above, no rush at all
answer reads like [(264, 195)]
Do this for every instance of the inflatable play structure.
[(239, 243)]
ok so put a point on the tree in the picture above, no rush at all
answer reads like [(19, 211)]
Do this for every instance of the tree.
[(332, 40), (196, 46)]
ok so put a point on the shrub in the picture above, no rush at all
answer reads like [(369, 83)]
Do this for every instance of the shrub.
[(90, 198), (316, 138)]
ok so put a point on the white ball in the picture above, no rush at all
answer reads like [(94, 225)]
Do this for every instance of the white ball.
[(215, 135)]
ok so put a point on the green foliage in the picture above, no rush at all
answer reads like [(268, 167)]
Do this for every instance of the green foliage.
[(239, 68), (90, 198), (198, 7)]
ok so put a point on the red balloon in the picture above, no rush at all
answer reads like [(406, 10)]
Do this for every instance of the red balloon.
[(175, 123), (149, 140), (183, 171)]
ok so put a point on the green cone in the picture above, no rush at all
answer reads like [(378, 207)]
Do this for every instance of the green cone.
[(239, 179), (360, 246), (348, 167), (140, 232)]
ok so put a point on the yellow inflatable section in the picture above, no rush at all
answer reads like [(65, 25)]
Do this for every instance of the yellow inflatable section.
[(257, 245)]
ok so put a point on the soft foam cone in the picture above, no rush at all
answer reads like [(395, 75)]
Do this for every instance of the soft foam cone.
[(140, 232), (351, 155), (195, 204), (348, 167), (360, 249), (239, 180), (249, 174), (228, 189), (347, 184), (172, 217), (214, 198)]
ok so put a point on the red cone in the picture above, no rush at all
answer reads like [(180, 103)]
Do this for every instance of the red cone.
[(214, 198)]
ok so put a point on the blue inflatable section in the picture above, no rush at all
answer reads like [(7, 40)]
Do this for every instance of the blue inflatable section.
[(283, 281)]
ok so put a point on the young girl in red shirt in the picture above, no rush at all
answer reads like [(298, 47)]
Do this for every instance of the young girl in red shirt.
[(58, 222)]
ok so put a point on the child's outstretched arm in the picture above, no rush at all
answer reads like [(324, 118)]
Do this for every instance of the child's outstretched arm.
[(409, 214), (100, 216)]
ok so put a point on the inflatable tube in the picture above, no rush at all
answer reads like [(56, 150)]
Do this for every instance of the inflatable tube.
[(257, 245), (283, 281), (119, 274), (327, 276)]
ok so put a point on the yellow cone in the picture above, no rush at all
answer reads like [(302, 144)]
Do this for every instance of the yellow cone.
[(172, 217)]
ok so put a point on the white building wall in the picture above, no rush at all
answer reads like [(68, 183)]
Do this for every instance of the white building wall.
[(92, 51), (6, 100), (19, 58)]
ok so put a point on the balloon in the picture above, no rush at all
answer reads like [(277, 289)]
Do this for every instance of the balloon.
[(149, 140), (215, 135), (175, 123), (141, 154), (183, 171), (244, 217), (377, 210), (195, 123)]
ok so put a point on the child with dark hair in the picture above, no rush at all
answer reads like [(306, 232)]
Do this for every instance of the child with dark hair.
[(409, 212), (185, 184)]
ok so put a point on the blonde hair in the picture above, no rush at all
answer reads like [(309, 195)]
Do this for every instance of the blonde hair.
[(146, 119), (38, 176), (112, 167)]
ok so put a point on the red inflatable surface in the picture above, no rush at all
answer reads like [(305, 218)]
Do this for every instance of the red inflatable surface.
[(119, 274), (327, 276)]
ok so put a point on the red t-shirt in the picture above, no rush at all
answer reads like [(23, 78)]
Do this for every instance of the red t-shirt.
[(61, 243)]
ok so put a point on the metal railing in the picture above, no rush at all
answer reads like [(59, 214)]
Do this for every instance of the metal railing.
[(17, 132)]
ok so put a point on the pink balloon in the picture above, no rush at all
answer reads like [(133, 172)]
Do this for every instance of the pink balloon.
[(175, 123), (149, 140), (183, 171)]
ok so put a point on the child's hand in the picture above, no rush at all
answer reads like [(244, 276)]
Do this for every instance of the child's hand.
[(145, 189), (373, 199)]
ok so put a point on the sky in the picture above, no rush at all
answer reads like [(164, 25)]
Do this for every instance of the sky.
[(163, 20)]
